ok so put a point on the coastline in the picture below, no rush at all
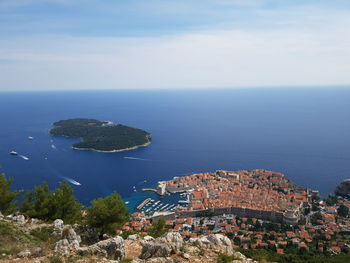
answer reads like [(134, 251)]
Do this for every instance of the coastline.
[(113, 151)]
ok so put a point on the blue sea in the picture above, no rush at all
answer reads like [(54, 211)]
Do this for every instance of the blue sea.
[(302, 132)]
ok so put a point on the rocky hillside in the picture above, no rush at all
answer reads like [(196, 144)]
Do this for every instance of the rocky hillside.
[(24, 240)]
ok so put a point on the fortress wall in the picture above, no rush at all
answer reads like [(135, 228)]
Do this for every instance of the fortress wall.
[(238, 211)]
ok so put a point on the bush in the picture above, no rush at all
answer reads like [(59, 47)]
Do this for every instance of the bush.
[(43, 233), (56, 259), (158, 228), (223, 258), (107, 214)]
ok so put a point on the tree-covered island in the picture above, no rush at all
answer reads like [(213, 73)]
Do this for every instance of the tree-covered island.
[(102, 136)]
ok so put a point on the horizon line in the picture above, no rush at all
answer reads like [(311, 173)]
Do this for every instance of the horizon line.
[(325, 86)]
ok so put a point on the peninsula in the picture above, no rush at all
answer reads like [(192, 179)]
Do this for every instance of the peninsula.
[(101, 136)]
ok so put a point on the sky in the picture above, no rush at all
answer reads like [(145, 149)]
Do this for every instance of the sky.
[(139, 44)]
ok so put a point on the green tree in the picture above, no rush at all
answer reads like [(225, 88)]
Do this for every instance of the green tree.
[(331, 200), (46, 205), (7, 197), (107, 214), (65, 205), (343, 210), (158, 227), (38, 203)]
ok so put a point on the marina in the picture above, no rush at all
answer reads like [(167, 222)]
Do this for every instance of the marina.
[(168, 202)]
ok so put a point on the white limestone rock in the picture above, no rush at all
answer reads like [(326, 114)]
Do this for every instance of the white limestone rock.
[(24, 254), (58, 227)]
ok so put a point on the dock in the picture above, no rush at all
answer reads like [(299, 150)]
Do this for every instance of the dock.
[(143, 203), (149, 189)]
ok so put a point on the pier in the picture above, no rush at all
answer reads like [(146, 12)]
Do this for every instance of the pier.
[(143, 203), (149, 189)]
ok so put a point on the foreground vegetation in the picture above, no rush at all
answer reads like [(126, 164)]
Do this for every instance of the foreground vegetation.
[(14, 239), (105, 214), (98, 135)]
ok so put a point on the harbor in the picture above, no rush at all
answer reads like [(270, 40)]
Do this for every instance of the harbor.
[(149, 201)]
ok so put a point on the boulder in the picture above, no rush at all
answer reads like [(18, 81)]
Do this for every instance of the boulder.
[(87, 235), (58, 227), (70, 242), (20, 219), (133, 237), (155, 249), (10, 216), (37, 252), (62, 247), (169, 243), (24, 254), (148, 238), (113, 248), (174, 239), (91, 250), (71, 235), (74, 244), (217, 242)]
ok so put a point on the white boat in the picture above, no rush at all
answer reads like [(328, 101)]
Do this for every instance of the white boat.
[(71, 181), (13, 153), (24, 157), (30, 138)]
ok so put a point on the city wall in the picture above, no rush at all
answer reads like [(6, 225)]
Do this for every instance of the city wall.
[(238, 211)]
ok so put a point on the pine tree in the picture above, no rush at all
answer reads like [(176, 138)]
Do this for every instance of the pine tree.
[(65, 205), (107, 214), (7, 197)]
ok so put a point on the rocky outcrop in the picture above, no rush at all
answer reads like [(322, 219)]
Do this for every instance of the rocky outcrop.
[(343, 189), (19, 219), (217, 242), (62, 247), (87, 234), (133, 237), (112, 248), (58, 226), (70, 242), (72, 236), (169, 243), (24, 254)]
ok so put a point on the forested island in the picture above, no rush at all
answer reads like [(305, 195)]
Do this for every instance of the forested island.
[(102, 136)]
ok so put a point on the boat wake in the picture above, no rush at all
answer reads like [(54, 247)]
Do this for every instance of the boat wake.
[(135, 158), (24, 157), (70, 180)]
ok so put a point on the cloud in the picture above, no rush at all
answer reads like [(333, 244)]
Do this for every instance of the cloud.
[(225, 58), (295, 46)]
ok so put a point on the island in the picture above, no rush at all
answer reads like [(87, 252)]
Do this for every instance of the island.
[(101, 136)]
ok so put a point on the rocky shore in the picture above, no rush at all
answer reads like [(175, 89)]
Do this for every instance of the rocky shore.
[(113, 151)]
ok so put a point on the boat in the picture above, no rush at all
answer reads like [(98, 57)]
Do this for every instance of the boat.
[(71, 181), (13, 153), (30, 138)]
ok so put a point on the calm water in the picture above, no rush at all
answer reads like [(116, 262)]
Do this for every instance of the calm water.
[(303, 133)]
